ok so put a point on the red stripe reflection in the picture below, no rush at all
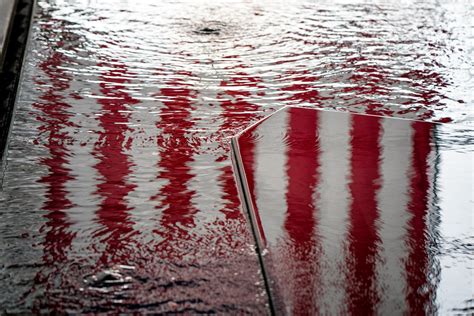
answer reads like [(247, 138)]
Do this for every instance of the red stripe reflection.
[(231, 207), (419, 292), (177, 153), (114, 165), (300, 223), (363, 237), (55, 118)]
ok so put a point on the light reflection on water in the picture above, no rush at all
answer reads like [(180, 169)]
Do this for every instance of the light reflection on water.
[(119, 150)]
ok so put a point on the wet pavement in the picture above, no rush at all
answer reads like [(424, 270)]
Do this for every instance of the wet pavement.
[(118, 191)]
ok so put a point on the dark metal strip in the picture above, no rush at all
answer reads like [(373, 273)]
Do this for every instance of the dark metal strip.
[(246, 204)]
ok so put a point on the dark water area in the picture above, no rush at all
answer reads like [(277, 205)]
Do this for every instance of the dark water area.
[(118, 191)]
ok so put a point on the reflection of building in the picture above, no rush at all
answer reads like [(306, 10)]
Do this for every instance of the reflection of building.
[(341, 203)]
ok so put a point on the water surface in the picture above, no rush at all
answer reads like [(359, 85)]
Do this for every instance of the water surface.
[(118, 190)]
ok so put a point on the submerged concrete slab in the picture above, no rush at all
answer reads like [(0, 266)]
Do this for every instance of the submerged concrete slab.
[(7, 7), (356, 214)]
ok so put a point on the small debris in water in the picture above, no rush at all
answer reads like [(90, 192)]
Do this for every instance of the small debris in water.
[(208, 31), (107, 278)]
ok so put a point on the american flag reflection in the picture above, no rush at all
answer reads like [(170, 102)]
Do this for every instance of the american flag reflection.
[(125, 188), (341, 204)]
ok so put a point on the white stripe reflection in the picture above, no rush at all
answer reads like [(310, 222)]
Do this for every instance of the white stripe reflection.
[(271, 180), (332, 204), (393, 198), (144, 159), (85, 178), (207, 118), (207, 197)]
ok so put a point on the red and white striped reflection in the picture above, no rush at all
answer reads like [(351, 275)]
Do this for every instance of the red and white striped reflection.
[(133, 193), (114, 166), (342, 202)]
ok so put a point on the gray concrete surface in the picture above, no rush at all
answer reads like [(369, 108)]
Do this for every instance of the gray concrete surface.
[(6, 16)]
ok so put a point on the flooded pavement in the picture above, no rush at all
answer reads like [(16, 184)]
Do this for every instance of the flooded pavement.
[(358, 214), (118, 191)]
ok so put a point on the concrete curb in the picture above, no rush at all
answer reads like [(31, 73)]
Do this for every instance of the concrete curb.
[(15, 24), (7, 8)]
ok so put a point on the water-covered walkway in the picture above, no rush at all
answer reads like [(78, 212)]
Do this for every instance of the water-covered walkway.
[(118, 191)]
